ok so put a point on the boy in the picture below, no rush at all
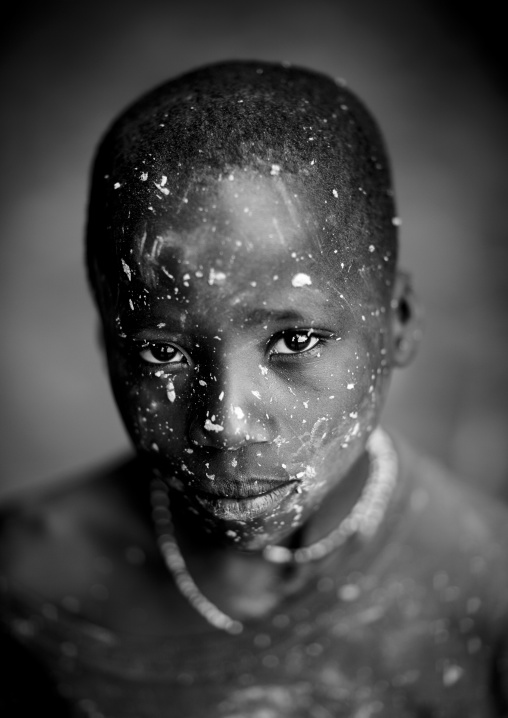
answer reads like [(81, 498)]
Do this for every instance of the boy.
[(269, 551)]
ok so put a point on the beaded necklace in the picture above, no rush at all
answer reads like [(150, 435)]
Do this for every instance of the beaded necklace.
[(363, 520)]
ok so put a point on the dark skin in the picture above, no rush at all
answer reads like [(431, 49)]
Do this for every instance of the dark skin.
[(250, 380), (293, 370)]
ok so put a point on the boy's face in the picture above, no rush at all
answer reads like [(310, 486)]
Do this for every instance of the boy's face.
[(250, 369)]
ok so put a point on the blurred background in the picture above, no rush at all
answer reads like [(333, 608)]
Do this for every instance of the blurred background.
[(434, 77)]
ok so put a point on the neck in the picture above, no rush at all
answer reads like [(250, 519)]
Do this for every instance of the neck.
[(338, 503), (243, 583)]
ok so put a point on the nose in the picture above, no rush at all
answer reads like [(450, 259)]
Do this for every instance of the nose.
[(230, 410)]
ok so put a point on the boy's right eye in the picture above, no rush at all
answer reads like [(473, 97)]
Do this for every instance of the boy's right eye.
[(155, 353)]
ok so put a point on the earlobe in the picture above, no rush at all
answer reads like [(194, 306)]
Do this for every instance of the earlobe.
[(406, 321)]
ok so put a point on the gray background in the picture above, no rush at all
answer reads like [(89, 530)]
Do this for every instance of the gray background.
[(433, 78)]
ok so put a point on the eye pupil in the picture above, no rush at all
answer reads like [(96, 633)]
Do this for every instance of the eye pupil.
[(163, 352), (297, 342)]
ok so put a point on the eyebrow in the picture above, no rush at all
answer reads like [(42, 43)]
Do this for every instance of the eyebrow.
[(139, 322), (259, 316)]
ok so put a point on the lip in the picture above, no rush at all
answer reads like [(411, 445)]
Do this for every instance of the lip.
[(243, 508)]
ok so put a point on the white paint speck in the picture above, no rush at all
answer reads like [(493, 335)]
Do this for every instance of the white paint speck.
[(275, 170), (237, 411), (161, 188), (144, 176), (349, 592), (256, 394), (452, 674), (221, 396), (131, 304), (396, 221), (170, 276), (170, 391), (350, 386), (216, 277), (371, 248), (301, 280), (335, 193), (209, 426), (264, 369), (126, 269), (117, 185)]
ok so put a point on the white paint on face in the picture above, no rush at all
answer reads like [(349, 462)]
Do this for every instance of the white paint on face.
[(237, 411), (216, 277), (210, 426), (308, 473), (161, 188), (301, 280), (170, 390), (235, 326), (126, 269)]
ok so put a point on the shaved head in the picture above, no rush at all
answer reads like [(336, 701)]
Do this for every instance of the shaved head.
[(275, 120)]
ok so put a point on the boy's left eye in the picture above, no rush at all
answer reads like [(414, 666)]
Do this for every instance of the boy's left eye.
[(162, 354), (295, 343)]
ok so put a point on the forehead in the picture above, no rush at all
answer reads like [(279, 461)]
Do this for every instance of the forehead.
[(236, 200), (240, 219), (241, 241)]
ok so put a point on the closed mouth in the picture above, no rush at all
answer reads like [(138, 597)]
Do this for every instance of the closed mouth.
[(245, 504), (241, 488)]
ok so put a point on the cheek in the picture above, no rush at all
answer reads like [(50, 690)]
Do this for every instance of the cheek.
[(329, 432), (152, 407)]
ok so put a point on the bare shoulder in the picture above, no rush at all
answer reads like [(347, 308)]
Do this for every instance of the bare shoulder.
[(462, 509), (53, 538), (461, 534)]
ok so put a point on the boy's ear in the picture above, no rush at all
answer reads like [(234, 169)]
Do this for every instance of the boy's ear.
[(406, 318)]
